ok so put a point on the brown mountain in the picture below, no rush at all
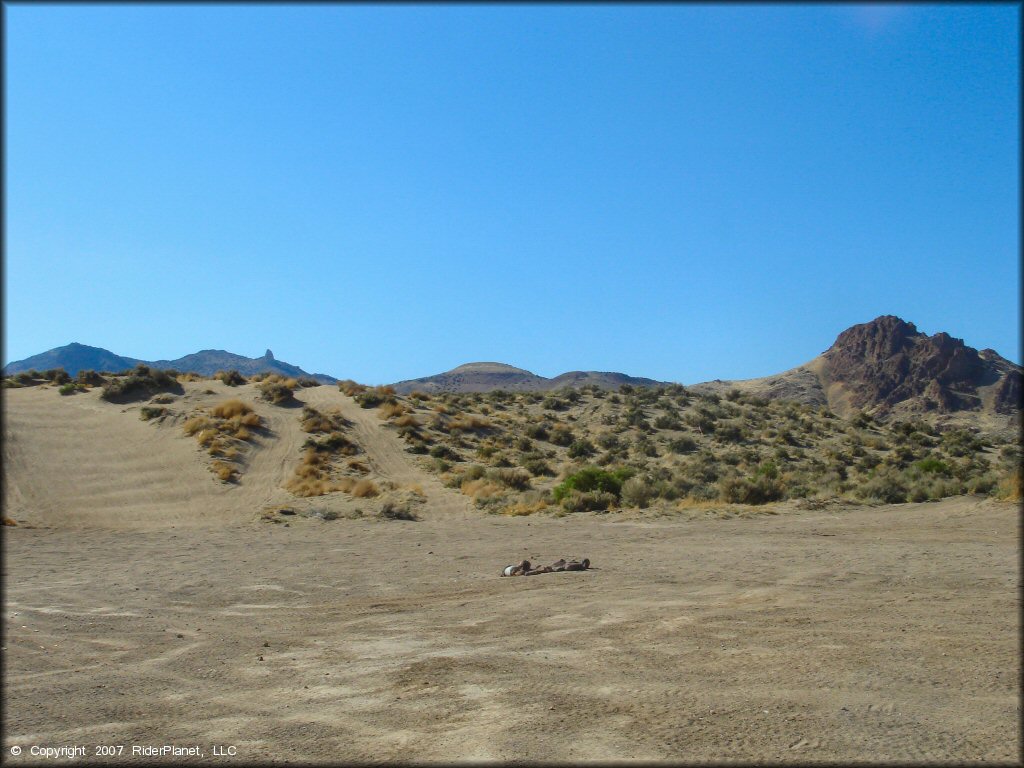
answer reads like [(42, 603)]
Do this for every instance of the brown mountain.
[(484, 377), (888, 367)]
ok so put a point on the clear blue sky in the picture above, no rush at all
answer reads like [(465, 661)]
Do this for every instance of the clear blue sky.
[(383, 192)]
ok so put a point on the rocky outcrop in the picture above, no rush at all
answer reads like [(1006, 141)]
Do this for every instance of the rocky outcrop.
[(888, 362), (890, 368), (1008, 392)]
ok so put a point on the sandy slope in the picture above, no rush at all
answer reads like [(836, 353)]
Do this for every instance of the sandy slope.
[(79, 461), (843, 634)]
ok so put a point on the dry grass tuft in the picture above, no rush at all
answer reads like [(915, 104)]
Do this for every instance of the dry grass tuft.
[(305, 487), (149, 412), (372, 398), (231, 378), (312, 476), (196, 424), (276, 391), (469, 423), (522, 508), (351, 388), (230, 408), (391, 410), (364, 489), (251, 420), (313, 421), (1009, 488), (397, 510), (226, 472), (221, 431), (481, 489)]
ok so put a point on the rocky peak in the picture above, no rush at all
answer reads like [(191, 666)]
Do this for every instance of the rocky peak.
[(888, 361), (878, 340)]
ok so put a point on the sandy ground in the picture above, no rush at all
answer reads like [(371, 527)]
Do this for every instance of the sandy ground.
[(853, 635), (146, 605)]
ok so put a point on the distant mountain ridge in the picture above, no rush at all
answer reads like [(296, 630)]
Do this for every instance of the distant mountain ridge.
[(484, 377), (885, 367), (76, 357)]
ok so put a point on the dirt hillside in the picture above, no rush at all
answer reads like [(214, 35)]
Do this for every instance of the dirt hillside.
[(148, 603)]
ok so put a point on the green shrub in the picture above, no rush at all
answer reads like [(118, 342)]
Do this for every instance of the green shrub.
[(537, 467), (581, 449), (645, 447), (759, 489), (933, 465), (730, 432), (537, 431), (667, 421), (704, 492), (863, 420), (68, 389), (635, 418), (148, 412), (887, 485), (701, 421), (561, 435), (593, 479), (961, 442), (683, 444)]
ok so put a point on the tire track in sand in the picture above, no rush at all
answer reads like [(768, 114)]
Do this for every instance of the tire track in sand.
[(386, 454)]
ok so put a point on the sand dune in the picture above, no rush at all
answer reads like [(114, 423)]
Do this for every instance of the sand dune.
[(80, 461), (838, 634)]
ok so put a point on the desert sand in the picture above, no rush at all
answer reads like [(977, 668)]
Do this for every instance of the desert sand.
[(147, 604)]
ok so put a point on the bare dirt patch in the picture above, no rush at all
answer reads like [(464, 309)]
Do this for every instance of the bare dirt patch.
[(847, 634)]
